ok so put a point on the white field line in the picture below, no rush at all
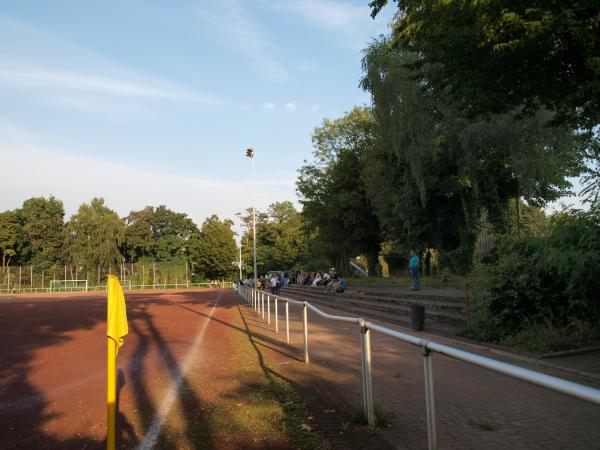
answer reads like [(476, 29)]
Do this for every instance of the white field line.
[(149, 440)]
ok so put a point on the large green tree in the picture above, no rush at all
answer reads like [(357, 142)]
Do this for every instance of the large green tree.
[(280, 236), (435, 170), (214, 254), (94, 236), (139, 238), (9, 232), (42, 223), (496, 55), (171, 233), (333, 193)]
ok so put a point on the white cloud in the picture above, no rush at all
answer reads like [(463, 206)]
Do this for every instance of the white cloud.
[(52, 80), (77, 179), (269, 106), (234, 22), (351, 20), (290, 107)]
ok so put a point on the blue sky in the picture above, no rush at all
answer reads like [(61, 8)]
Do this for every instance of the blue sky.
[(155, 102)]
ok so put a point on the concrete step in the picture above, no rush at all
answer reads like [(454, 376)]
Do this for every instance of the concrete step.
[(439, 304), (453, 296), (385, 311), (431, 325)]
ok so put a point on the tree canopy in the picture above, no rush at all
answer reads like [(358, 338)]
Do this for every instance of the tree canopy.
[(214, 254), (333, 192), (495, 56)]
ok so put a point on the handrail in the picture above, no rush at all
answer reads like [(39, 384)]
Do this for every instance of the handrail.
[(556, 384)]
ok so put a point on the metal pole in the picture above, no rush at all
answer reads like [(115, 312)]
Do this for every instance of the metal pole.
[(305, 326), (287, 321), (262, 304), (276, 317), (254, 222), (367, 378), (429, 399), (240, 259), (268, 310)]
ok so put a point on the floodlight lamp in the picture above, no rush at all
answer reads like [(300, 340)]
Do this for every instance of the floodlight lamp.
[(250, 153)]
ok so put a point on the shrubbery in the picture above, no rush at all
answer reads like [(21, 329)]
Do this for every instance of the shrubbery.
[(542, 293)]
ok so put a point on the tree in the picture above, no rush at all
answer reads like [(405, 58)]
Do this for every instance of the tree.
[(139, 239), (43, 231), (214, 254), (436, 170), (498, 55), (171, 233), (280, 235), (332, 189), (94, 236), (9, 230)]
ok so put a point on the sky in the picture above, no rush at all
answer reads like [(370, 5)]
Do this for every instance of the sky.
[(148, 103)]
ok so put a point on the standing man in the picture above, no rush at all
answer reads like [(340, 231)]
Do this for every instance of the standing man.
[(414, 267)]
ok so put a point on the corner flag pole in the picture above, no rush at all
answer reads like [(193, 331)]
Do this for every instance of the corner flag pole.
[(116, 329), (111, 394)]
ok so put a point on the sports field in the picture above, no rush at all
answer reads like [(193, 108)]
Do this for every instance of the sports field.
[(200, 369), (186, 376)]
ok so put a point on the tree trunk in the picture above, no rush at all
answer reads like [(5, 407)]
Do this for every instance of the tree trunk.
[(373, 262)]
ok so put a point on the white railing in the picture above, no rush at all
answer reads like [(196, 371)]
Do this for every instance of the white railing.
[(126, 287), (256, 299)]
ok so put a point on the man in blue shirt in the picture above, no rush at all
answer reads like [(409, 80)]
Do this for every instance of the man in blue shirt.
[(414, 267)]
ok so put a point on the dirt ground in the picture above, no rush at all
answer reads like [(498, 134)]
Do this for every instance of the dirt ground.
[(189, 376), (201, 369)]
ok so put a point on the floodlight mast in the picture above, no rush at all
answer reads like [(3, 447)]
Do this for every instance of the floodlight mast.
[(250, 154)]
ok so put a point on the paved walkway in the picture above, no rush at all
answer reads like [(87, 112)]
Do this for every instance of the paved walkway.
[(475, 408)]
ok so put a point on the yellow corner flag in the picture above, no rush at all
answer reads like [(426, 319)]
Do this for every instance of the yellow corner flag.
[(117, 313), (116, 329)]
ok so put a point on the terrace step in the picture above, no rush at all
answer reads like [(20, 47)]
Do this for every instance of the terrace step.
[(438, 303), (388, 309), (432, 322)]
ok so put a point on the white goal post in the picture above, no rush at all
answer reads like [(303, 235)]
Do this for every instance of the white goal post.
[(68, 285)]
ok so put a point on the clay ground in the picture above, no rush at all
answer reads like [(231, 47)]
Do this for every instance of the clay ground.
[(200, 369), (189, 376)]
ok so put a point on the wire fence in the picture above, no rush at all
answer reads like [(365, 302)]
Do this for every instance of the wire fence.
[(74, 278)]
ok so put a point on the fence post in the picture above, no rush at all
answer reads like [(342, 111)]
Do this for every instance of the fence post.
[(262, 304), (287, 321), (429, 399), (365, 347), (305, 327), (276, 316), (268, 309)]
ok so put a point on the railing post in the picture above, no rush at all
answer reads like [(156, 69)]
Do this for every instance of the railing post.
[(429, 399), (268, 309), (365, 347), (287, 321), (305, 327), (262, 304), (276, 316)]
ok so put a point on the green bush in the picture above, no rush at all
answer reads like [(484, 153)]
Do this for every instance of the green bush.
[(541, 284)]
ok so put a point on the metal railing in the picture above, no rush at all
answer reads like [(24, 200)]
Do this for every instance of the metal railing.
[(126, 287), (256, 299)]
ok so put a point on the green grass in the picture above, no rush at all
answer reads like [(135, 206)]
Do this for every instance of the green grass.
[(383, 417)]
